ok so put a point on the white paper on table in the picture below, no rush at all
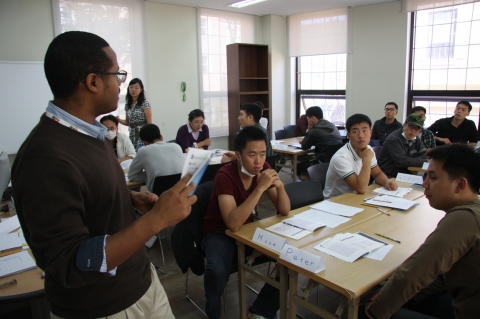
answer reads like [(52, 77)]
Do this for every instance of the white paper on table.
[(341, 250), (303, 259), (391, 201), (10, 241), (289, 231), (16, 263), (400, 192), (9, 224), (411, 179), (280, 147), (380, 253), (297, 145), (269, 240), (126, 164), (303, 224), (337, 209), (425, 165), (274, 142), (317, 216)]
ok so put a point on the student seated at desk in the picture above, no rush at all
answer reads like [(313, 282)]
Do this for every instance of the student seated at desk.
[(403, 148), (156, 158), (194, 133), (237, 189), (386, 125), (442, 278), (352, 165), (122, 146)]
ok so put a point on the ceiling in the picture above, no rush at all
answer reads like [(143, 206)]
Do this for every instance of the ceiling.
[(275, 7)]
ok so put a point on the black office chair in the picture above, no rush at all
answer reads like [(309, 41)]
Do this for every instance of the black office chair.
[(290, 127), (318, 172), (172, 141), (163, 183), (330, 151), (304, 193), (210, 172), (282, 134), (377, 150)]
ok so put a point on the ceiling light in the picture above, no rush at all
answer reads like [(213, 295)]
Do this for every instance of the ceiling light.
[(244, 3)]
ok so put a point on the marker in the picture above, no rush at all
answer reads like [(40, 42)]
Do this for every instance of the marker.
[(8, 283), (395, 240), (385, 212)]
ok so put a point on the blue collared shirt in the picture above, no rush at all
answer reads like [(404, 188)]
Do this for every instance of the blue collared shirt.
[(91, 253)]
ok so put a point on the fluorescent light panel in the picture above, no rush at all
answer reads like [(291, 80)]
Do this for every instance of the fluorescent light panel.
[(245, 3)]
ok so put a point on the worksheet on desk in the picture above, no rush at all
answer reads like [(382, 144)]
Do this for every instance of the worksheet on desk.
[(329, 220), (337, 209)]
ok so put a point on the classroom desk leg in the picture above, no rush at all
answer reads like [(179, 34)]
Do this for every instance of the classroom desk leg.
[(283, 290), (292, 291), (353, 308), (294, 168), (241, 280)]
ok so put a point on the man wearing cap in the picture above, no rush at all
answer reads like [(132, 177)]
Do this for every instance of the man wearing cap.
[(402, 148)]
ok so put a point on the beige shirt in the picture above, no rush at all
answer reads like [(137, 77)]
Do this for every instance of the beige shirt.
[(124, 146), (449, 259)]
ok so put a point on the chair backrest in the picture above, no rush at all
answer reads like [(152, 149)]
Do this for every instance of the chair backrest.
[(172, 141), (318, 172), (377, 150), (271, 161), (304, 193), (289, 127), (163, 183), (187, 235), (282, 134), (330, 151), (210, 172), (374, 143)]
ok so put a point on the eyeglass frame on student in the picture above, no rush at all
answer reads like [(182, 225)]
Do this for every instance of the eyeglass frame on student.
[(389, 109), (122, 73)]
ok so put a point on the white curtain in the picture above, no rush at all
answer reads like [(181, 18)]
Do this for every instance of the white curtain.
[(119, 22), (417, 5), (217, 29), (319, 32)]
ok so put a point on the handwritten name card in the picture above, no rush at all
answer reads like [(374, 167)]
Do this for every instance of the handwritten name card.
[(303, 259), (269, 240)]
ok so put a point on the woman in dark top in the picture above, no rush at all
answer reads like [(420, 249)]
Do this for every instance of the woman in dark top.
[(138, 111), (195, 133)]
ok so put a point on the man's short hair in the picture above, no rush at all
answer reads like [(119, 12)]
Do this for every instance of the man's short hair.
[(149, 133), (392, 103), (252, 109), (418, 109), (466, 103), (248, 134), (459, 160), (259, 103), (70, 57), (314, 111), (357, 119), (194, 114), (109, 117)]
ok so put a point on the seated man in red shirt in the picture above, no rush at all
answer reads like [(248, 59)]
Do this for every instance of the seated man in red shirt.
[(237, 189)]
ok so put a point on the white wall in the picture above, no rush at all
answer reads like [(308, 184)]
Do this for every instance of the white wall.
[(377, 67)]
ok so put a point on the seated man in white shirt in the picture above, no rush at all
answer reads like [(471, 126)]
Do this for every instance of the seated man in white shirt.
[(156, 158), (122, 146), (352, 165)]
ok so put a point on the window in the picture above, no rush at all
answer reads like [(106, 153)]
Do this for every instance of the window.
[(217, 29), (321, 81), (445, 60), (119, 22)]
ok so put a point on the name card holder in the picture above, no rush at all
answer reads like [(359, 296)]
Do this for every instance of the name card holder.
[(302, 259), (269, 240)]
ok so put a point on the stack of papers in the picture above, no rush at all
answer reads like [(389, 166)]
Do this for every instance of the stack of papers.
[(391, 201), (400, 192), (9, 242), (337, 209), (295, 227), (317, 216), (16, 263), (9, 224), (349, 247)]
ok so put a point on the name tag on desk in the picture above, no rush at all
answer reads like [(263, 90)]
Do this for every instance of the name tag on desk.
[(302, 259), (269, 240)]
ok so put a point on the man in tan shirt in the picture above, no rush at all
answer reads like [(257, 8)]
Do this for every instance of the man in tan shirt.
[(442, 278)]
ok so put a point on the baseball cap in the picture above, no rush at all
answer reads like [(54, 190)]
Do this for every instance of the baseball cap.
[(414, 119)]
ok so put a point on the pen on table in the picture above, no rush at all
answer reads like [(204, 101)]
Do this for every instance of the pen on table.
[(385, 212), (42, 275), (382, 201), (395, 240), (8, 283)]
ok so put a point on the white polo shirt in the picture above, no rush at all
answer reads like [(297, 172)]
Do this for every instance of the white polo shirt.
[(344, 163)]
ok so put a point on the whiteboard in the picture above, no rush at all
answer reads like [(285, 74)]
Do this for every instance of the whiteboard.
[(25, 94)]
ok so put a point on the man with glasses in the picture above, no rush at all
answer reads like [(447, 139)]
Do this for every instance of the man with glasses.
[(427, 137), (402, 148), (388, 124), (456, 129), (72, 200)]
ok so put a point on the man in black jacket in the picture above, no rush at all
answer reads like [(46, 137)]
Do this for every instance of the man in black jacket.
[(383, 127)]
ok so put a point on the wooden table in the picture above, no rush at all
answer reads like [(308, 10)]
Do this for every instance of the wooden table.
[(245, 234), (356, 279), (292, 151)]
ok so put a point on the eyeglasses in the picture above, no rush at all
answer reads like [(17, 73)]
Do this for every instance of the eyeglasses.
[(389, 110), (120, 75)]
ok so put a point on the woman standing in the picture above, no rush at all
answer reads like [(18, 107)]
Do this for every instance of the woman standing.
[(195, 133), (138, 111)]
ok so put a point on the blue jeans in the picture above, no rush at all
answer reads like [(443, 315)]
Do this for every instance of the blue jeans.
[(221, 253)]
